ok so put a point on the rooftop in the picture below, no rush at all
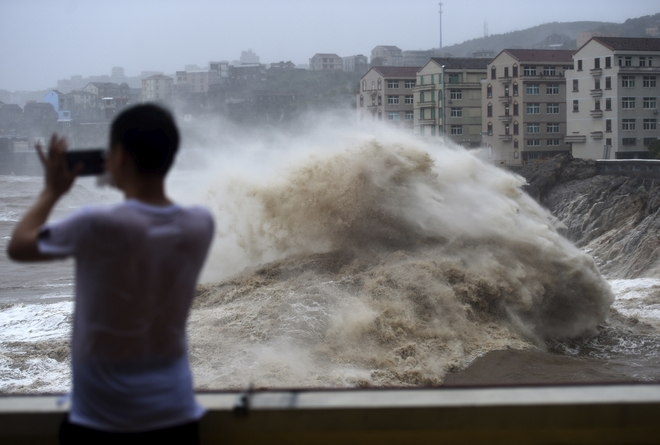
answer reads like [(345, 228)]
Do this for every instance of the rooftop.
[(629, 43), (397, 71), (461, 62), (541, 55)]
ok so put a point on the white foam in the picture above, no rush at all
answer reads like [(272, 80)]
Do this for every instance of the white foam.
[(634, 297), (36, 322)]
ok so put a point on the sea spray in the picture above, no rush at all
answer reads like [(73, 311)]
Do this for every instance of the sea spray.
[(389, 262)]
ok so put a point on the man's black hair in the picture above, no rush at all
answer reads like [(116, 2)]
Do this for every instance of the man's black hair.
[(149, 134)]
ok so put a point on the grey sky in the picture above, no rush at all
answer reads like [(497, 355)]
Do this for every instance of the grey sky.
[(45, 40)]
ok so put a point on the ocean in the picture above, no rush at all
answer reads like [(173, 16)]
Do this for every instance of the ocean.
[(352, 258)]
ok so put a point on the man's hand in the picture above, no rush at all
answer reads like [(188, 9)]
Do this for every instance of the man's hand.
[(58, 177), (58, 180)]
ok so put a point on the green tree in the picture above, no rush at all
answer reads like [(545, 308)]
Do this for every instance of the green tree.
[(654, 149)]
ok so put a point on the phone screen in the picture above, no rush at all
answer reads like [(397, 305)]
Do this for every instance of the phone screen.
[(93, 160)]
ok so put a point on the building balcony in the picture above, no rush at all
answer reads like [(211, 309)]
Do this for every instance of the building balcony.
[(462, 85), (505, 137), (640, 69), (505, 118), (597, 135), (596, 72), (596, 113), (575, 138), (558, 77), (596, 93), (427, 103), (504, 79), (427, 121), (372, 106), (427, 87), (505, 99)]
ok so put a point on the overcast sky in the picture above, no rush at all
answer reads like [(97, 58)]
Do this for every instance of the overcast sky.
[(45, 40)]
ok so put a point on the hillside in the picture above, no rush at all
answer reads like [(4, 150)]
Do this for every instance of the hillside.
[(534, 37)]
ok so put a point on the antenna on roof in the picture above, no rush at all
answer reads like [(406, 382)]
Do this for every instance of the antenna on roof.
[(486, 28)]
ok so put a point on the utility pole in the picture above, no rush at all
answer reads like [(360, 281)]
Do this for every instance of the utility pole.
[(440, 47)]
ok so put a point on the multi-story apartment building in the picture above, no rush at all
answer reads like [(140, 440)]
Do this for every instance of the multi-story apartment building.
[(613, 98), (157, 88), (197, 81), (325, 62), (387, 55), (386, 92), (447, 99), (358, 63), (524, 104)]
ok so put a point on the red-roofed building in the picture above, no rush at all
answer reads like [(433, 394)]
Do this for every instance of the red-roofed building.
[(524, 105)]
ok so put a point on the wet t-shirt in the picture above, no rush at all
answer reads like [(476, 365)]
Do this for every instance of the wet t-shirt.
[(137, 267)]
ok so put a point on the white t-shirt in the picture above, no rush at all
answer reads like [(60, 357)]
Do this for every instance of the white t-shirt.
[(137, 267)]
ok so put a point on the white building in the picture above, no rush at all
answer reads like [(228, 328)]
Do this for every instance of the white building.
[(613, 98), (157, 88)]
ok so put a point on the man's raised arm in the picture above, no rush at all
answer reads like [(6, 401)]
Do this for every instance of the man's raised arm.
[(58, 180)]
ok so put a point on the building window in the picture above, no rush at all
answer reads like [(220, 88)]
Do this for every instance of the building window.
[(552, 88), (393, 115), (533, 108), (493, 73), (490, 128), (552, 128), (629, 142), (549, 71), (456, 112), (575, 85), (489, 110), (597, 63), (628, 124), (628, 103), (648, 82), (650, 124), (515, 70), (489, 91), (608, 62), (410, 115), (533, 128), (533, 88), (515, 128), (597, 105), (392, 84), (608, 125), (506, 91), (579, 65), (533, 142), (515, 145), (649, 103), (628, 61), (506, 129), (380, 100), (515, 109), (608, 104), (576, 105), (529, 70), (608, 83), (456, 129), (628, 81), (515, 89), (421, 96), (649, 141), (409, 99), (380, 84), (456, 94), (409, 84), (361, 100), (393, 100), (553, 142), (642, 61), (506, 71), (552, 108), (597, 84)]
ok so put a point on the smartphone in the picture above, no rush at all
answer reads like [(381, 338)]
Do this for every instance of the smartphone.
[(93, 160)]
